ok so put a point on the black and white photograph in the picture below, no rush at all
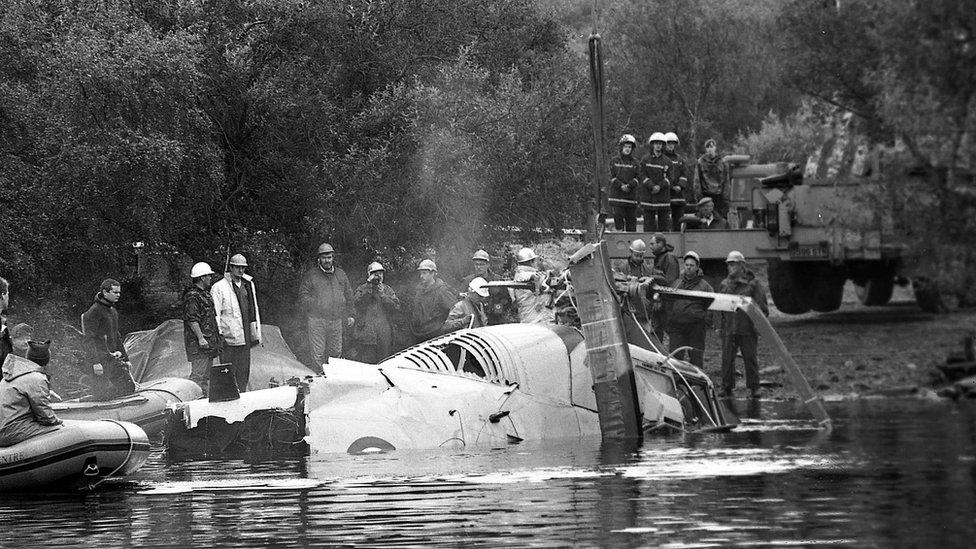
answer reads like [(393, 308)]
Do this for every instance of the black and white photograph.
[(503, 273)]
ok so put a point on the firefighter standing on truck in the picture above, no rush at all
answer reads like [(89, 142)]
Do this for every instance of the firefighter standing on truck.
[(624, 180), (681, 191), (654, 193)]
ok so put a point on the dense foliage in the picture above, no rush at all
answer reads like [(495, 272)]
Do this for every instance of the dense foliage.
[(268, 126), (908, 71), (402, 128)]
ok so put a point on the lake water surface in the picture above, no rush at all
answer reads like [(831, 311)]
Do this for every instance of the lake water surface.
[(892, 472)]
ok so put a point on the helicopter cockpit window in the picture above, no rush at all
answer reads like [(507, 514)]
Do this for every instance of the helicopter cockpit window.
[(463, 360)]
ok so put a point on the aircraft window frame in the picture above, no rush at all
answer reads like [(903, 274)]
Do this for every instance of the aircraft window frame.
[(488, 359)]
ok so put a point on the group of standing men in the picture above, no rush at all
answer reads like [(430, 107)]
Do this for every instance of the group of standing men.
[(330, 304), (658, 183), (687, 321)]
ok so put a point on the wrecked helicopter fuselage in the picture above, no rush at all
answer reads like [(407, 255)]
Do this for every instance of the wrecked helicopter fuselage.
[(492, 386)]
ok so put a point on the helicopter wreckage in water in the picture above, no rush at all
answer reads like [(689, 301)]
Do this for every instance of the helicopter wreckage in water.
[(491, 386), (503, 384), (488, 386)]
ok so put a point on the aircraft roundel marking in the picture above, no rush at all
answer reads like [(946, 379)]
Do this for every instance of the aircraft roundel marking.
[(370, 445)]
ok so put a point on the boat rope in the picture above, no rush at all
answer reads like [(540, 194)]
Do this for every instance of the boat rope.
[(132, 445), (667, 362)]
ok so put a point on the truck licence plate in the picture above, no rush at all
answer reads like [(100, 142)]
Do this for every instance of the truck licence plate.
[(808, 250)]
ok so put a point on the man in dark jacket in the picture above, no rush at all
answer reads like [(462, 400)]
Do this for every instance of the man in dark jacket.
[(654, 193), (689, 318), (667, 268), (712, 178), (201, 336), (638, 267), (106, 354), (624, 180), (25, 396), (431, 303), (708, 219), (498, 307), (681, 191), (375, 304), (736, 328), (325, 297)]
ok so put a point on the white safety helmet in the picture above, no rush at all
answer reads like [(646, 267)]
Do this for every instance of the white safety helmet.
[(735, 256), (656, 136), (201, 269), (693, 255), (427, 265), (638, 246), (525, 254), (477, 285), (237, 260), (671, 137), (374, 267), (627, 138), (481, 255)]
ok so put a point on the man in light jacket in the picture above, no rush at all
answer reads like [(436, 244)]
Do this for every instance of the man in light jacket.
[(238, 318)]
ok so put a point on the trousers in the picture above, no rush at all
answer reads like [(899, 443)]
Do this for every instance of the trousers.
[(324, 339)]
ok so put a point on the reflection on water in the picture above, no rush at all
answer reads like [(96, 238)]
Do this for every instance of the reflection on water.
[(892, 472)]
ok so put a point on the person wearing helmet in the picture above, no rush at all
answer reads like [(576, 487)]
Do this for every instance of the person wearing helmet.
[(736, 329), (499, 303), (712, 178), (469, 312), (480, 261), (376, 304), (624, 180), (681, 191), (431, 302), (654, 193), (689, 319), (201, 338), (103, 343), (637, 267), (667, 269), (238, 318), (532, 305), (325, 298)]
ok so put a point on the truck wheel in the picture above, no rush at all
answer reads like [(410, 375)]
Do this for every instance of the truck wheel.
[(876, 291), (787, 286), (828, 292)]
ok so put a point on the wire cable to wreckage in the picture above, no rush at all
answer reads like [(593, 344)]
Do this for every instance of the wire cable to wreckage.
[(461, 425), (667, 362)]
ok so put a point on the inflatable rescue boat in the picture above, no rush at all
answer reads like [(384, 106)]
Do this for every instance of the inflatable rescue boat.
[(78, 454), (146, 407)]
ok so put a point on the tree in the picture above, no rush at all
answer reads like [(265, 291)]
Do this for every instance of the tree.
[(908, 70), (704, 69)]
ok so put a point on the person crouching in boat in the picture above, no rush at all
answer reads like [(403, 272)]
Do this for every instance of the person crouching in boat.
[(25, 396)]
